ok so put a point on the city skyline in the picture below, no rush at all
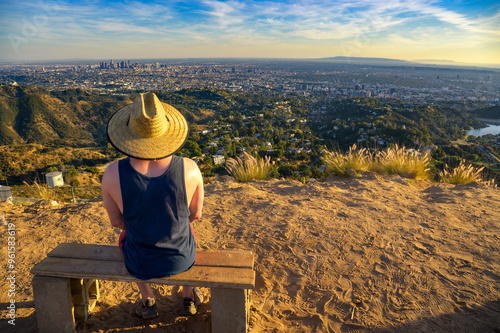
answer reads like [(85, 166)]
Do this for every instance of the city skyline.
[(459, 31)]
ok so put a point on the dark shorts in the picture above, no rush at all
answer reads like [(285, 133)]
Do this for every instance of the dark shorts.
[(121, 239)]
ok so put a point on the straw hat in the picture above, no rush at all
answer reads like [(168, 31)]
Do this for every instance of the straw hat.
[(147, 129)]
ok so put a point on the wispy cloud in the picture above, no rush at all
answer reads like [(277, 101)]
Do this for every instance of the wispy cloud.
[(454, 19), (416, 23), (225, 13)]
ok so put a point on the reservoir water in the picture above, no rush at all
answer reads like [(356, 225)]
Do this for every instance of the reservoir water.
[(491, 129)]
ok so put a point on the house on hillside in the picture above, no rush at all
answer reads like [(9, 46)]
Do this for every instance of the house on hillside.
[(218, 159)]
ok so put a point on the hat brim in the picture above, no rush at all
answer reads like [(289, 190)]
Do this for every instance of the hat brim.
[(125, 141)]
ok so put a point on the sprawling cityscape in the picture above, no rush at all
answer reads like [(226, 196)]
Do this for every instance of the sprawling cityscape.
[(410, 82)]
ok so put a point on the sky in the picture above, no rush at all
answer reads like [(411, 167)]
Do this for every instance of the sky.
[(465, 31)]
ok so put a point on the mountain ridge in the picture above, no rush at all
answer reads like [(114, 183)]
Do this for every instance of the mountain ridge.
[(387, 61), (36, 115)]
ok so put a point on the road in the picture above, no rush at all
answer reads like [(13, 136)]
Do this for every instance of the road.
[(492, 157)]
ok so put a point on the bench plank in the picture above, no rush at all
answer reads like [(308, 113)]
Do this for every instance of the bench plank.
[(243, 259), (202, 276)]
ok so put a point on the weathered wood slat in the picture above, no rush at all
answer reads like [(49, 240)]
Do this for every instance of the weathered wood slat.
[(243, 259), (87, 251), (202, 276)]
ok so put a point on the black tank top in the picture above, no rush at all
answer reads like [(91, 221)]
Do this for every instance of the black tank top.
[(159, 241)]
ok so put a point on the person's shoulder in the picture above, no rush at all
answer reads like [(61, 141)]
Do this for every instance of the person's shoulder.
[(189, 163), (191, 169), (111, 169)]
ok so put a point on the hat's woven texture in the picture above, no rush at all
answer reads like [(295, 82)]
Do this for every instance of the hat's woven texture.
[(147, 129)]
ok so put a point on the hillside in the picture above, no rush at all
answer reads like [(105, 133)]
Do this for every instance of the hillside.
[(489, 113), (30, 162), (74, 117), (41, 129), (373, 254), (70, 117)]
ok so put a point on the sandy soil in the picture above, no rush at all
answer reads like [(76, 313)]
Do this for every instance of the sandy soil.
[(372, 254)]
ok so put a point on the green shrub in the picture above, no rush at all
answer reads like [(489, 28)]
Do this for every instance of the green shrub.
[(286, 171), (93, 170)]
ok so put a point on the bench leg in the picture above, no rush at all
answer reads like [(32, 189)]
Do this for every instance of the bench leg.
[(53, 304), (85, 294), (93, 292), (230, 310)]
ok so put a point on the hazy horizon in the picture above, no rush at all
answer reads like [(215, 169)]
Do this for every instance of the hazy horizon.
[(452, 31), (347, 61)]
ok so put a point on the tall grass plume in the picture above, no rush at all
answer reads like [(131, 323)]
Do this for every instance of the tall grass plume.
[(249, 168), (407, 163), (40, 191), (395, 160), (464, 173), (350, 164)]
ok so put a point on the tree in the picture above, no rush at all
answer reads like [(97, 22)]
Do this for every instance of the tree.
[(208, 161), (286, 170), (316, 172), (191, 146), (93, 170), (305, 170)]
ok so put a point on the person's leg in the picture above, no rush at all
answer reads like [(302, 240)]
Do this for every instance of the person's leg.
[(146, 291), (187, 292), (144, 288), (146, 307), (143, 309), (192, 299)]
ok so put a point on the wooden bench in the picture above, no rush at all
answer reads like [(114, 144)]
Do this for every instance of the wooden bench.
[(66, 287)]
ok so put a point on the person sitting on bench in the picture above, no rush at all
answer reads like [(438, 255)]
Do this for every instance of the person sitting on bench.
[(153, 196)]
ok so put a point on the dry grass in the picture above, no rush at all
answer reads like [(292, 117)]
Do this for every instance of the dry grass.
[(60, 194), (464, 173), (249, 168), (39, 191), (403, 162), (350, 164), (397, 160)]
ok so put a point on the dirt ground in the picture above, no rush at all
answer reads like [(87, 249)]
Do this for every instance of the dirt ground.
[(372, 254)]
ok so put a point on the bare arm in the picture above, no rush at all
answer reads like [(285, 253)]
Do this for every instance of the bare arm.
[(111, 196), (194, 189)]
